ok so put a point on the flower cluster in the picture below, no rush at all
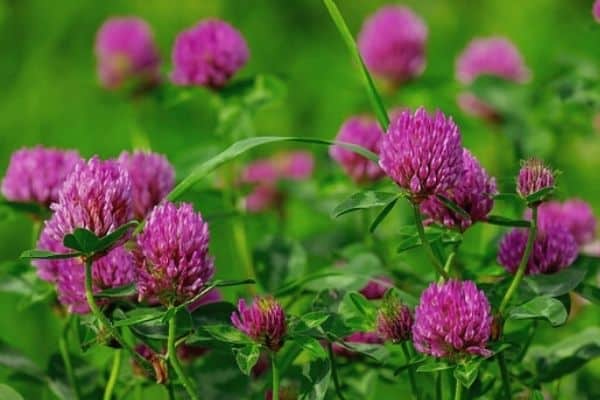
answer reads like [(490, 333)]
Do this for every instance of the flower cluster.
[(125, 50), (575, 215), (452, 319), (394, 320), (263, 321), (37, 174), (265, 174), (365, 132), (533, 177), (172, 258), (392, 43)]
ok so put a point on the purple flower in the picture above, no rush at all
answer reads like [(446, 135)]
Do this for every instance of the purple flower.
[(95, 196), (394, 320), (112, 270), (262, 198), (474, 193), (152, 178), (356, 338), (596, 10), (575, 215), (452, 319), (37, 174), (263, 321), (125, 49), (392, 43), (376, 288), (295, 165), (533, 177), (422, 153), (208, 54), (495, 56), (172, 256), (554, 249), (365, 132)]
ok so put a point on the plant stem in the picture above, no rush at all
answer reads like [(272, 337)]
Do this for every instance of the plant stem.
[(104, 321), (421, 230), (334, 374), (438, 385), (172, 356), (114, 375), (35, 232), (505, 376), (64, 352), (523, 264), (275, 373), (458, 390), (241, 243), (411, 372)]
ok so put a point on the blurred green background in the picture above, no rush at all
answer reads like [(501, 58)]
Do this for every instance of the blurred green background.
[(50, 96)]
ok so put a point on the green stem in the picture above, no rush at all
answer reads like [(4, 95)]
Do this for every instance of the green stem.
[(170, 391), (138, 392), (334, 373), (421, 230), (35, 232), (64, 352), (411, 372), (458, 390), (275, 373), (241, 243), (530, 335), (438, 385), (505, 376), (172, 356), (523, 264), (114, 375), (104, 321)]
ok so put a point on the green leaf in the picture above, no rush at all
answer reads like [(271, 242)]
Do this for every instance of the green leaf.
[(364, 200), (357, 312), (536, 395), (540, 195), (246, 357), (26, 208), (565, 357), (109, 240), (315, 380), (590, 292), (433, 366), (82, 240), (232, 282), (374, 97), (451, 205), (414, 361), (139, 315), (557, 284), (467, 372), (118, 292), (15, 361), (314, 319), (47, 255), (383, 213), (503, 221), (278, 260), (312, 346), (542, 307), (8, 393), (245, 145), (227, 333)]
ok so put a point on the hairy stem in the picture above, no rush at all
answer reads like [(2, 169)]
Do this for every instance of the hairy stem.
[(64, 352), (114, 375), (275, 374), (172, 356), (421, 230), (411, 372), (334, 373), (505, 376), (104, 321), (458, 390), (523, 264)]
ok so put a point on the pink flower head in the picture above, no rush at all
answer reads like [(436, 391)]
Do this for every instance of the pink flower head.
[(152, 178), (422, 153), (533, 177), (474, 193), (376, 288), (112, 270), (392, 43), (452, 319), (575, 215), (172, 256), (96, 196), (365, 132), (37, 174), (495, 56), (263, 321), (125, 49), (394, 320), (295, 165), (554, 249), (208, 54)]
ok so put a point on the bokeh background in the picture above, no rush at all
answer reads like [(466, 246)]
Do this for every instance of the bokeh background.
[(50, 96)]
